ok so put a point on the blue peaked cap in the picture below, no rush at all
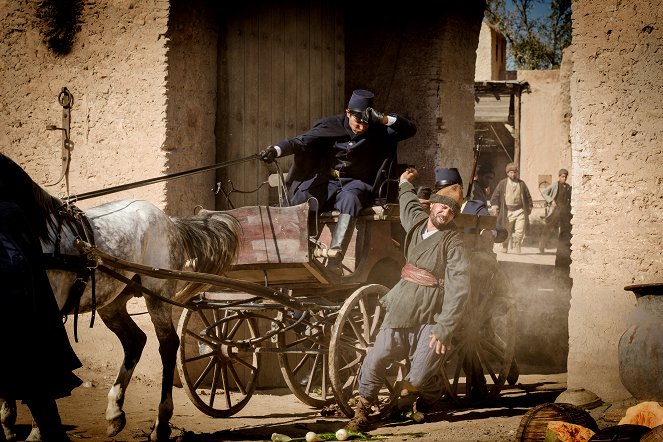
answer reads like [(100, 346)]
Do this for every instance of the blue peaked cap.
[(360, 100), (475, 207), (446, 177)]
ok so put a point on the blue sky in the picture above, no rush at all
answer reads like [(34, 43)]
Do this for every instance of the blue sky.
[(539, 9)]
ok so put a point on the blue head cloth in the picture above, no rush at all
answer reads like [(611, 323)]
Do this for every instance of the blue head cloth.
[(445, 177), (360, 100)]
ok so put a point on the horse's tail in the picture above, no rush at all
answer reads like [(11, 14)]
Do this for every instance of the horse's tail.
[(211, 241), (211, 244)]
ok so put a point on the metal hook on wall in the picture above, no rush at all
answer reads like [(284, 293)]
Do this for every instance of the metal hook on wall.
[(66, 100)]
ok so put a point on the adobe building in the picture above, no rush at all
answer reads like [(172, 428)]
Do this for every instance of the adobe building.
[(524, 119), (162, 87)]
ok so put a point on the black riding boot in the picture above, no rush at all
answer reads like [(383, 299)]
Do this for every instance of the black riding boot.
[(340, 241)]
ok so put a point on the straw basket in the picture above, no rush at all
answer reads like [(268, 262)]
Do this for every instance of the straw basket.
[(653, 435), (534, 423)]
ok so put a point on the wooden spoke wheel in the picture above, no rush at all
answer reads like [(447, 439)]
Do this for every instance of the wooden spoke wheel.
[(353, 335), (304, 356), (218, 373), (482, 352)]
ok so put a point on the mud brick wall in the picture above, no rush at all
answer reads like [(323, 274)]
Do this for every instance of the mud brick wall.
[(617, 198), (421, 65), (116, 72), (126, 57)]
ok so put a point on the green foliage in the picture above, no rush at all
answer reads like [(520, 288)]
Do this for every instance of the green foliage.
[(534, 42), (58, 22)]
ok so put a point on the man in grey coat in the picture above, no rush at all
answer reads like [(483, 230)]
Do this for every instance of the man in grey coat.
[(558, 211), (424, 308)]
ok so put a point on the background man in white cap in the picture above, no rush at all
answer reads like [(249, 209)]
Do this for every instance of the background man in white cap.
[(514, 204), (337, 162)]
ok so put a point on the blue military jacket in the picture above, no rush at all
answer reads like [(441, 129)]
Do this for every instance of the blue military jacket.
[(331, 144)]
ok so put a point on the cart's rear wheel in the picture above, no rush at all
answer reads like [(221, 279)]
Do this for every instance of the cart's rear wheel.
[(217, 375), (353, 335), (483, 349), (304, 362)]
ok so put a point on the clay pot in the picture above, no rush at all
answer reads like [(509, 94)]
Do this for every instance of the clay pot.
[(641, 345)]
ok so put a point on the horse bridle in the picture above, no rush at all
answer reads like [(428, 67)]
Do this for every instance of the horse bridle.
[(80, 264)]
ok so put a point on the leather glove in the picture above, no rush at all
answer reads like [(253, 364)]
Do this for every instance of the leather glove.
[(372, 116), (268, 154)]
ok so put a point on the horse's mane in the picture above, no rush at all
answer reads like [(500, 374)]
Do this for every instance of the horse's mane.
[(38, 205)]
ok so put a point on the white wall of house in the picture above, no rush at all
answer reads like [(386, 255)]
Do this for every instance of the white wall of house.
[(543, 129)]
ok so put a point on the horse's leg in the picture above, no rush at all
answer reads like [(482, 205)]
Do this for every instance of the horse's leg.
[(161, 315), (8, 418), (133, 341), (47, 422)]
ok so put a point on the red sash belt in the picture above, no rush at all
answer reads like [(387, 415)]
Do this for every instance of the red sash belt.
[(420, 276)]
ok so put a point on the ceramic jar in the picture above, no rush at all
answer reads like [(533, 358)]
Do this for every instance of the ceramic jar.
[(641, 345)]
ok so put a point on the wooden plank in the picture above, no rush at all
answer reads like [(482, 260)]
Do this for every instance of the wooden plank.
[(277, 72), (303, 121), (315, 61), (290, 72), (263, 90), (327, 73), (249, 179), (339, 61), (289, 276), (235, 118)]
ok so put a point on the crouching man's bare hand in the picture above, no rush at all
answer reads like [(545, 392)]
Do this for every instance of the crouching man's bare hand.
[(435, 343)]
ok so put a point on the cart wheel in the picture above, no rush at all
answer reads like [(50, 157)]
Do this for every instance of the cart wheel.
[(304, 365), (218, 375), (483, 347), (353, 335)]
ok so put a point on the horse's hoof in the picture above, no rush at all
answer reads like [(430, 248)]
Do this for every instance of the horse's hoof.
[(34, 436), (8, 435), (161, 434), (116, 425)]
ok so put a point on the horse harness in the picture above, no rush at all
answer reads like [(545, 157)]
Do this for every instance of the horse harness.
[(82, 265)]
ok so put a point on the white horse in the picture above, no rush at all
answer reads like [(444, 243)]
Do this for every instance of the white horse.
[(136, 231)]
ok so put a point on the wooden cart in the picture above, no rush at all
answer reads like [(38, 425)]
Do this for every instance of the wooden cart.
[(320, 324)]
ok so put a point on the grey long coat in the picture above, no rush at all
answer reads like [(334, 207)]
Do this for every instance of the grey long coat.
[(409, 304)]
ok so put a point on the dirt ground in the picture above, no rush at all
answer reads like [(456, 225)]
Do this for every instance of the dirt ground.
[(280, 412)]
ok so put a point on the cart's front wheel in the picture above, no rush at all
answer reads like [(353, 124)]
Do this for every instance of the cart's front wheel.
[(353, 335), (303, 355), (218, 373), (482, 353)]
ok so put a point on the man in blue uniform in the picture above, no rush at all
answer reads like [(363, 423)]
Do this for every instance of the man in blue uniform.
[(337, 162)]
